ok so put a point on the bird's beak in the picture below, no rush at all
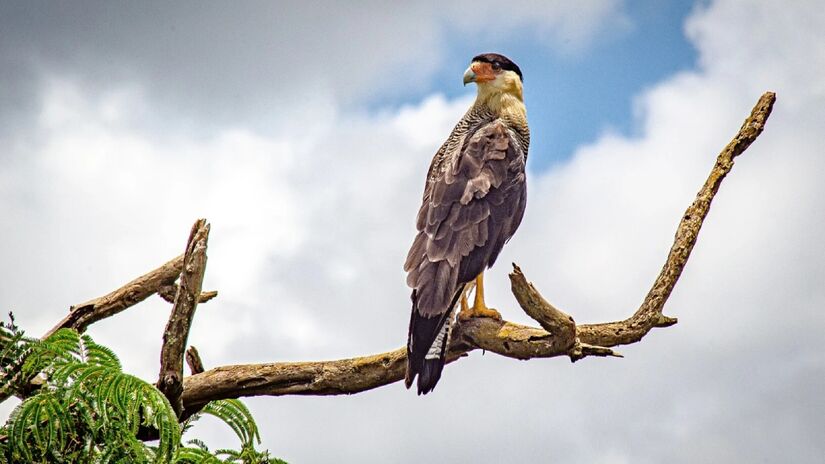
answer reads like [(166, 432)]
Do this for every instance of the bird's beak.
[(469, 75)]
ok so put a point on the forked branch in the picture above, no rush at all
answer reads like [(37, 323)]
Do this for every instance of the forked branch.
[(559, 334)]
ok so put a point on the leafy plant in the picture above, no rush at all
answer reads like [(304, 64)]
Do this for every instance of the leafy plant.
[(236, 415), (81, 407)]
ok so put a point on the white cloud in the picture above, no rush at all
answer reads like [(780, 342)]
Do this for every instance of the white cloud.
[(566, 27), (310, 229), (750, 300), (297, 223), (225, 64)]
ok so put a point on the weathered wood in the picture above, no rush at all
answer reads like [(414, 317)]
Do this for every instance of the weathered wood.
[(170, 379), (556, 322), (560, 337), (649, 314), (168, 292), (82, 315), (193, 360)]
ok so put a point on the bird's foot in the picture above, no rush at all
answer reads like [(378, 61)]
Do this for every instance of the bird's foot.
[(478, 311)]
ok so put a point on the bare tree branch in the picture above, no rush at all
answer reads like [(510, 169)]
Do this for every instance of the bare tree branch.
[(343, 376), (170, 379), (649, 314), (82, 315), (168, 292), (193, 360), (560, 335)]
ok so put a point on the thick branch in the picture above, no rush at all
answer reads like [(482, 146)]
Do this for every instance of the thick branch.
[(561, 338), (560, 335), (347, 376), (82, 315), (170, 380), (344, 376)]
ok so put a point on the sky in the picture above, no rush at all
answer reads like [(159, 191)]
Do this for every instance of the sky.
[(303, 130)]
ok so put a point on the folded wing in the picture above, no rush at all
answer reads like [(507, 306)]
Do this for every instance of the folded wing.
[(469, 211)]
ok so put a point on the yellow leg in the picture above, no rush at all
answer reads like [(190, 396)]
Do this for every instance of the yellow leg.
[(479, 308), (465, 307)]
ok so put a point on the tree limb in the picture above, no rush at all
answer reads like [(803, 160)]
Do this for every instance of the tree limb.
[(170, 379), (649, 314), (82, 315), (560, 335)]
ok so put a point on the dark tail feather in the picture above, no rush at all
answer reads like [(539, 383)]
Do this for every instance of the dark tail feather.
[(429, 375), (423, 333)]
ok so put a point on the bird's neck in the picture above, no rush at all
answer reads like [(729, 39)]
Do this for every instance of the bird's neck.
[(506, 103)]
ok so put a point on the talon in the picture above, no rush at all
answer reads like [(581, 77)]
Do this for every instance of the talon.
[(487, 312), (479, 312), (479, 308)]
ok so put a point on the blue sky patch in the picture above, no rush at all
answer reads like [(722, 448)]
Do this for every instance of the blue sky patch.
[(572, 98)]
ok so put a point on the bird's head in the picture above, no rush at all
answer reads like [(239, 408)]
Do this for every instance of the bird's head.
[(494, 73)]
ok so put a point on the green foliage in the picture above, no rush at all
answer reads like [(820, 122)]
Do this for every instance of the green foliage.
[(86, 404), (14, 350), (236, 415), (87, 409)]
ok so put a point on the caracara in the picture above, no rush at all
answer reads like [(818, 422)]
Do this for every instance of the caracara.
[(473, 202)]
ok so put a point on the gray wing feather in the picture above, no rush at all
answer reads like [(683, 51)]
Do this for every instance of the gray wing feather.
[(469, 211)]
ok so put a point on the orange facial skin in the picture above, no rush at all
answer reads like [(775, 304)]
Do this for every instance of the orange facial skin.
[(484, 72)]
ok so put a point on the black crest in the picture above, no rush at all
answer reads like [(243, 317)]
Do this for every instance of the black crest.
[(501, 61)]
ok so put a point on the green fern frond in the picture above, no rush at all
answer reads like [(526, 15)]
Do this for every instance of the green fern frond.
[(87, 410), (248, 455), (39, 424), (196, 455), (85, 386), (59, 349), (229, 455), (15, 348), (100, 355), (133, 452), (188, 423), (66, 346), (237, 416), (198, 443)]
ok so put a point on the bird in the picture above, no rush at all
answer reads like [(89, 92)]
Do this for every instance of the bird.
[(474, 200)]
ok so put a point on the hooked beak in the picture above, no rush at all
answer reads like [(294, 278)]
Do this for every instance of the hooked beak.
[(469, 75)]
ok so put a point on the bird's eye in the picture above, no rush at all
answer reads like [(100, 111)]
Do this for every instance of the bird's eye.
[(496, 66)]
